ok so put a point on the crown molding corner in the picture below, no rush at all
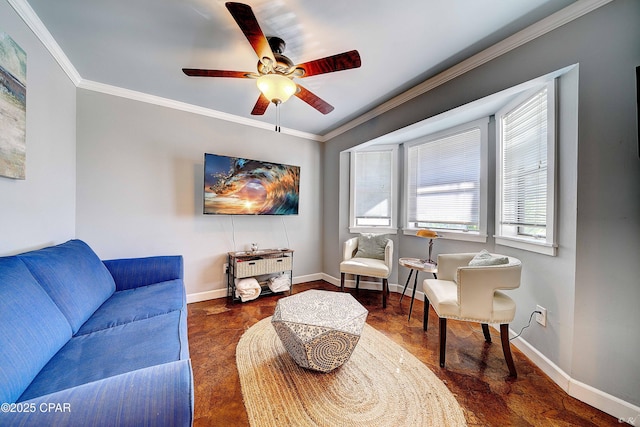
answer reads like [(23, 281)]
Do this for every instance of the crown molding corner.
[(28, 15)]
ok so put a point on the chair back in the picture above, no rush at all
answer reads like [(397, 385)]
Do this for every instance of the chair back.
[(350, 248), (477, 286)]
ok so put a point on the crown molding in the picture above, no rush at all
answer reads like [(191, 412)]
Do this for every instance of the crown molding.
[(183, 106), (540, 28), (28, 15)]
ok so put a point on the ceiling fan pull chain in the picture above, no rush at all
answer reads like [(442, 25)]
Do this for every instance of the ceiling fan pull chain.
[(277, 117)]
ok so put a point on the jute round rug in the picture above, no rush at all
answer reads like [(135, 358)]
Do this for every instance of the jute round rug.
[(380, 385)]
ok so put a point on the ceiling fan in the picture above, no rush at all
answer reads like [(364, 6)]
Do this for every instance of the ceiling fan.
[(275, 72)]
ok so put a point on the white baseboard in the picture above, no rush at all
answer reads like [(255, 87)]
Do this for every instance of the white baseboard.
[(624, 411), (207, 295), (308, 278)]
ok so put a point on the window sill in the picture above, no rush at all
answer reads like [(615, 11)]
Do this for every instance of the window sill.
[(452, 235), (375, 230), (528, 245)]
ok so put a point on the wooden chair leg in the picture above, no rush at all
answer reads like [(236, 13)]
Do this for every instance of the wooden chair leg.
[(342, 282), (485, 331), (443, 339), (425, 317), (506, 349), (385, 289), (357, 282)]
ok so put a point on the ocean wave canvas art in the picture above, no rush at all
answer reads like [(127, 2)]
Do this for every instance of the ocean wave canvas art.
[(239, 186), (13, 108)]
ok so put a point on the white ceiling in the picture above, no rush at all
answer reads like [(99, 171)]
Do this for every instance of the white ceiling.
[(142, 45)]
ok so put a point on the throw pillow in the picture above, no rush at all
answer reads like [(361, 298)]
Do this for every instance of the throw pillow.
[(485, 258), (371, 246)]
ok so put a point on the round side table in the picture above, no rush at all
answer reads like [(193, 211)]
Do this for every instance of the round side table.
[(416, 265)]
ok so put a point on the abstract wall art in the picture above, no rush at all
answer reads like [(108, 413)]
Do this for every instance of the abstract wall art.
[(13, 108), (239, 186)]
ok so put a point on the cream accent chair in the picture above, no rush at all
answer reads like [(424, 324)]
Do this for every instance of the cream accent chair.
[(470, 293), (366, 266)]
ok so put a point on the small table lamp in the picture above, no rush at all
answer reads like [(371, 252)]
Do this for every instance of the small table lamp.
[(431, 235)]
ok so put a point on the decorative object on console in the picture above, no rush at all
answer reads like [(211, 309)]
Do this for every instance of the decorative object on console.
[(239, 186), (13, 108), (431, 235)]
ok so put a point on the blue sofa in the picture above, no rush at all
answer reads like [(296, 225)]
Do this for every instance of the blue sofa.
[(89, 342)]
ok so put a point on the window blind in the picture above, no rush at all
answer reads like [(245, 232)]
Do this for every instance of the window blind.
[(373, 182), (444, 182), (524, 166)]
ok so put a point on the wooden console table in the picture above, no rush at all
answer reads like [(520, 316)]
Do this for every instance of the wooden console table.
[(262, 265)]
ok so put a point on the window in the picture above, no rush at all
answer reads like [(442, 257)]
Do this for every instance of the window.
[(373, 189), (446, 182), (525, 178)]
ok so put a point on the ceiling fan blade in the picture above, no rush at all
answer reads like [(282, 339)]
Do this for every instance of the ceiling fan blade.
[(248, 23), (312, 99), (196, 72), (339, 62), (261, 106)]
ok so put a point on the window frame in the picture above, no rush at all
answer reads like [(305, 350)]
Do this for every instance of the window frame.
[(473, 236), (548, 245), (393, 227)]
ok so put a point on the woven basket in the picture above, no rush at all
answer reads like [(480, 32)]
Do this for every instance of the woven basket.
[(262, 266)]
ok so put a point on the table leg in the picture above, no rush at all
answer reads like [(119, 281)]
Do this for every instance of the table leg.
[(407, 284), (413, 294)]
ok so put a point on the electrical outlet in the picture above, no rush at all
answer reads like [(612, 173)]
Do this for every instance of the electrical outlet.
[(225, 268), (542, 316)]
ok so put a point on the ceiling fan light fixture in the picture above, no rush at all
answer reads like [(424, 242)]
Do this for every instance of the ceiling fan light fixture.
[(276, 87)]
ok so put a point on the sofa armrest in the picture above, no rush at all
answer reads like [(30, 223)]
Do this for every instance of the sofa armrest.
[(160, 395), (135, 272)]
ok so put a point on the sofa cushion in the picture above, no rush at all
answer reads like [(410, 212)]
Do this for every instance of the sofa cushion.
[(73, 276), (136, 304), (129, 273), (113, 351), (32, 328)]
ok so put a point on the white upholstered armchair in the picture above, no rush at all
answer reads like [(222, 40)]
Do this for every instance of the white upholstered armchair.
[(375, 260), (471, 293)]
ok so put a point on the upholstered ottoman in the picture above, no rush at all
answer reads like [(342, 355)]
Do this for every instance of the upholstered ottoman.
[(319, 329)]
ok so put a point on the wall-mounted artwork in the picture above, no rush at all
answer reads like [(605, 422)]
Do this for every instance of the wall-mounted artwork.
[(13, 108), (239, 186)]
